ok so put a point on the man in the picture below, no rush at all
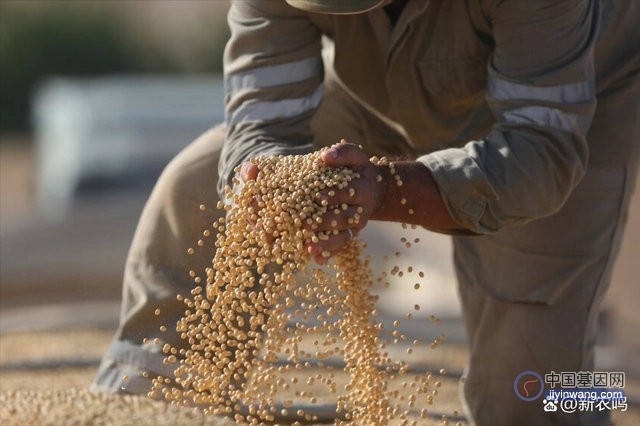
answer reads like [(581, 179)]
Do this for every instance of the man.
[(494, 101)]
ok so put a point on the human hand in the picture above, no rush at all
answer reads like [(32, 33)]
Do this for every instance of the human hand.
[(349, 208)]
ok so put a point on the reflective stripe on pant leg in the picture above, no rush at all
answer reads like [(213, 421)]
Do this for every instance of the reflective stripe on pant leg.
[(528, 298), (127, 359)]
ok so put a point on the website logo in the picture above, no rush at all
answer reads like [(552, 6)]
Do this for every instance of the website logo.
[(574, 391), (528, 386)]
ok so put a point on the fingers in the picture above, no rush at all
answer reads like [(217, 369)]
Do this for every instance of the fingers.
[(337, 217), (248, 171), (357, 193), (333, 231), (344, 154), (323, 250)]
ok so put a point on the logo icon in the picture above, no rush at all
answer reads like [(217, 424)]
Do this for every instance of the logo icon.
[(550, 406), (528, 386)]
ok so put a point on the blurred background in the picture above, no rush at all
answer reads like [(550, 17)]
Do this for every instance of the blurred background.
[(95, 98)]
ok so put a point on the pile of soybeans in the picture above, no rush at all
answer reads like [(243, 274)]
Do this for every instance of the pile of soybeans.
[(75, 407), (263, 297)]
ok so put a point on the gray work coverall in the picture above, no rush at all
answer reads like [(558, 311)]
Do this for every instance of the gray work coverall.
[(525, 112)]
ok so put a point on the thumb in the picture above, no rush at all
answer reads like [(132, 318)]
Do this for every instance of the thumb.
[(248, 171), (344, 154)]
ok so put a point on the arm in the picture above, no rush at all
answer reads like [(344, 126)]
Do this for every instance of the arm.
[(376, 195), (273, 82), (416, 200), (541, 91)]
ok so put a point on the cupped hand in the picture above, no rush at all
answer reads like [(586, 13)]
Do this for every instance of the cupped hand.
[(349, 209)]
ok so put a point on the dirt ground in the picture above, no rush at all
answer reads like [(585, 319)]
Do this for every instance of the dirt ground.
[(46, 366), (39, 368)]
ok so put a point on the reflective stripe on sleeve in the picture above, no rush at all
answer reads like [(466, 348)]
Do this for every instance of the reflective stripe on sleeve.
[(274, 75), (270, 110), (543, 116), (573, 93)]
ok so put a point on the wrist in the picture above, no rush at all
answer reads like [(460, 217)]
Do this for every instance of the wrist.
[(383, 191)]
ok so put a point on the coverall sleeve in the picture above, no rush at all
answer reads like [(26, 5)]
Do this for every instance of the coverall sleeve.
[(273, 82), (541, 91)]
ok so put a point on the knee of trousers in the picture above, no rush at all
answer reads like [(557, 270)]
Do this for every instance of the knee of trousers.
[(173, 222), (181, 206)]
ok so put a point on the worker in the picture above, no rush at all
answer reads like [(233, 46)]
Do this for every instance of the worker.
[(519, 121)]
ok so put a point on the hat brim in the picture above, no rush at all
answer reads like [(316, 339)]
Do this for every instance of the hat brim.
[(335, 7)]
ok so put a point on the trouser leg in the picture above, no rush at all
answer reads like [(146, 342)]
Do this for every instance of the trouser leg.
[(531, 296), (158, 265)]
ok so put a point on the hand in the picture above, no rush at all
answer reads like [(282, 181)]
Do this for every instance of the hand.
[(362, 199)]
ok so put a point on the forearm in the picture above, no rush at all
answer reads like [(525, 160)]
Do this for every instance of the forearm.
[(273, 83), (416, 201)]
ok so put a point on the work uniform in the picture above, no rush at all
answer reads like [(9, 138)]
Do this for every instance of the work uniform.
[(497, 100)]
